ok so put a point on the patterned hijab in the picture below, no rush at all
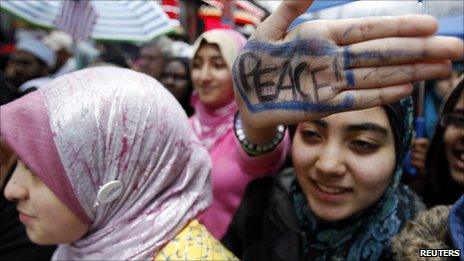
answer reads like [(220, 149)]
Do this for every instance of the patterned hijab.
[(211, 125), (366, 235), (105, 124)]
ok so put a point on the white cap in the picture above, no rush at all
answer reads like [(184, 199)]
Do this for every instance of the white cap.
[(58, 40), (39, 50)]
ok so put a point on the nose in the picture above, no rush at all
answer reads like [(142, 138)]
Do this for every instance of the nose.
[(330, 162), (204, 73), (15, 189)]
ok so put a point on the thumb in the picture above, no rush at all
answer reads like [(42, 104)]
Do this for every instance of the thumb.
[(276, 25)]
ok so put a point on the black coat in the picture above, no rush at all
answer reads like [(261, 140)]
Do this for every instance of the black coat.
[(265, 226)]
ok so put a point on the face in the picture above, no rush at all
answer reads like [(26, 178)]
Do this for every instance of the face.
[(211, 77), (41, 212), (152, 61), (175, 79), (344, 162), (454, 142), (22, 67)]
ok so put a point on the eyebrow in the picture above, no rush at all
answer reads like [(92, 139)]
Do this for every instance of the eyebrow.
[(367, 126), (217, 57), (321, 123), (458, 111)]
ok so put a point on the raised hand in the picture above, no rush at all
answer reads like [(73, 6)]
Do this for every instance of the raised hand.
[(327, 66)]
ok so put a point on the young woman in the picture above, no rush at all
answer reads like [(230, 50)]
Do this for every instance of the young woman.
[(442, 226), (108, 168), (215, 107), (341, 200), (278, 75), (445, 158)]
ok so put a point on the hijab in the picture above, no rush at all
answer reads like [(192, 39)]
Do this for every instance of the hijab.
[(102, 125), (365, 235), (211, 125), (441, 188)]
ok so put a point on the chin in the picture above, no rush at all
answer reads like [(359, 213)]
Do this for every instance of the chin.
[(458, 177), (38, 239), (328, 213)]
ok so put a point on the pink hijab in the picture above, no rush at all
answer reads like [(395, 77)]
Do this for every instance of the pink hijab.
[(211, 125), (98, 125)]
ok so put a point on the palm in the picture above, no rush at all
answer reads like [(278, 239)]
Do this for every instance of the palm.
[(324, 67)]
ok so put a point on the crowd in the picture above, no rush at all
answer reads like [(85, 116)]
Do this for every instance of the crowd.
[(289, 145)]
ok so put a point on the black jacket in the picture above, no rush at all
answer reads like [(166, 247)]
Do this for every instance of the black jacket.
[(265, 226)]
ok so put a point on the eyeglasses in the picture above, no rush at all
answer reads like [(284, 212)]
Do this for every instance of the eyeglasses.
[(455, 119)]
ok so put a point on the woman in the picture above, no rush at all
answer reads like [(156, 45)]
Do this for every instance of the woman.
[(112, 163), (215, 107), (445, 158), (176, 78), (441, 227), (342, 199)]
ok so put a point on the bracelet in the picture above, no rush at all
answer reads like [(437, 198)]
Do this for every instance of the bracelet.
[(251, 148)]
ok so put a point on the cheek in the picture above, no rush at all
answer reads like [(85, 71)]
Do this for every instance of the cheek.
[(54, 218), (303, 156), (450, 137), (373, 174), (195, 76), (223, 77)]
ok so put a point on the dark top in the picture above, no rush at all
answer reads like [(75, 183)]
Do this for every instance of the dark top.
[(265, 227)]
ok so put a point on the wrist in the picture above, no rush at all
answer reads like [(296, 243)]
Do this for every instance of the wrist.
[(264, 141)]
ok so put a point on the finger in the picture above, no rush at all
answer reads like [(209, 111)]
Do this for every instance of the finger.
[(421, 141), (276, 25), (367, 98), (420, 151), (351, 31), (391, 51), (369, 77)]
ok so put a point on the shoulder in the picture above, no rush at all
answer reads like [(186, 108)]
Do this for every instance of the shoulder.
[(264, 226), (263, 191), (427, 231), (194, 242)]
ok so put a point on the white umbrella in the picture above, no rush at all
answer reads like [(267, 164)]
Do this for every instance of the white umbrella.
[(109, 20)]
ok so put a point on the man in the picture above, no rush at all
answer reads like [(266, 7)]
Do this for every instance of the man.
[(61, 43), (31, 60), (153, 56)]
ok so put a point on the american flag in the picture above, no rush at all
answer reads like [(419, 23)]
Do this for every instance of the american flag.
[(77, 18)]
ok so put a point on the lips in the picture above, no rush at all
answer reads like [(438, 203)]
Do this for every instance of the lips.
[(457, 158), (25, 218), (330, 189), (207, 88), (329, 193)]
